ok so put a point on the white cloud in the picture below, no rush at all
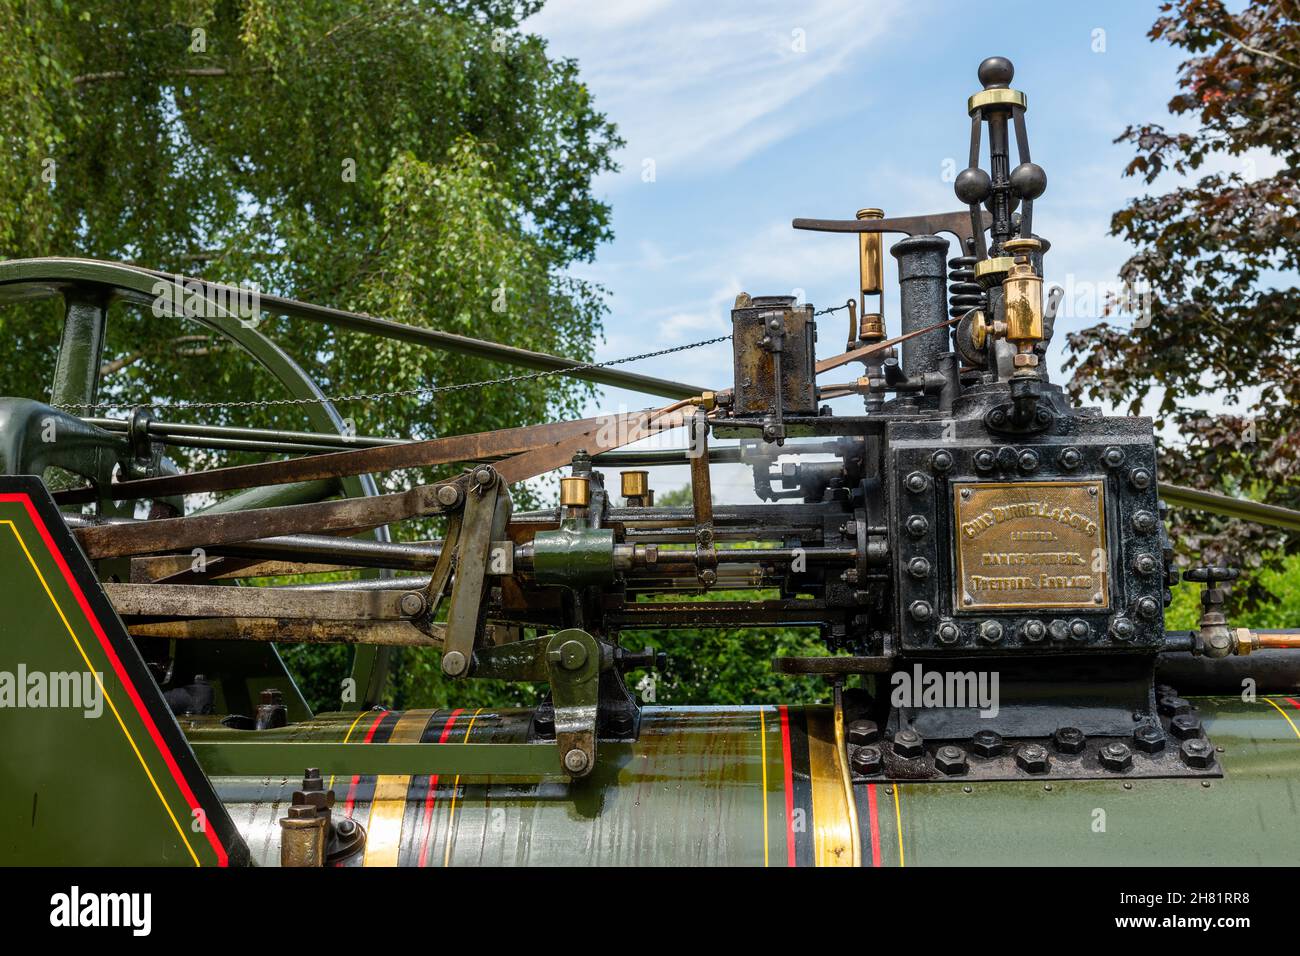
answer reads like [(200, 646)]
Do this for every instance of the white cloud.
[(696, 87)]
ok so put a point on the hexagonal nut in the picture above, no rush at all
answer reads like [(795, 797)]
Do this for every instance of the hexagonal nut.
[(863, 732), (950, 760), (1116, 756), (941, 460), (991, 632), (1080, 630), (866, 761), (917, 482), (1069, 740), (917, 526), (1024, 360), (988, 743), (1149, 740), (1185, 726), (1032, 758), (948, 633), (1197, 753), (920, 610), (1028, 460), (1033, 631), (1173, 705), (1122, 629), (908, 744)]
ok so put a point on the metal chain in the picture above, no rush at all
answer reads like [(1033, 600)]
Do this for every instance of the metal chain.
[(399, 393), (834, 308)]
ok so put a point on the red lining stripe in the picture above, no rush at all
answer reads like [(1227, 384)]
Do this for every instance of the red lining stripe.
[(356, 779), (1293, 702), (175, 770), (789, 784), (875, 824), (432, 797)]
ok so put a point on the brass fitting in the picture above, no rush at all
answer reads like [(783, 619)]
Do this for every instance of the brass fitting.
[(636, 488), (871, 275), (705, 400), (1023, 295), (575, 492)]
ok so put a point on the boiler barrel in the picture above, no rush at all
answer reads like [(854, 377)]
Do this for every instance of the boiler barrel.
[(761, 786)]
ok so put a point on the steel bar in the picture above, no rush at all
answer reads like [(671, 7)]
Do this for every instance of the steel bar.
[(1241, 508), (361, 461), (291, 631), (287, 759), (172, 534), (203, 600), (33, 278)]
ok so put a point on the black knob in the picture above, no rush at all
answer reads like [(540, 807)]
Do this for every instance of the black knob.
[(996, 71)]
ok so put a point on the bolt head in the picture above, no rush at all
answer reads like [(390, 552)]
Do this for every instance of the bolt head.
[(863, 732), (1146, 564), (991, 632), (412, 603), (1197, 753), (454, 663), (1147, 607), (1116, 756), (917, 482), (985, 459), (1028, 460), (576, 761), (950, 760), (908, 744), (570, 655), (1150, 740), (1122, 629), (1032, 758), (941, 461), (1139, 478), (1173, 705), (917, 526), (1113, 456), (1070, 459), (948, 633), (1185, 726), (1069, 740), (1059, 630), (918, 568), (987, 743), (920, 610), (483, 476), (1034, 631), (866, 761), (1144, 521), (448, 495)]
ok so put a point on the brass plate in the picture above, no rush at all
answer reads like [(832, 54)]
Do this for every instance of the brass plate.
[(1031, 544)]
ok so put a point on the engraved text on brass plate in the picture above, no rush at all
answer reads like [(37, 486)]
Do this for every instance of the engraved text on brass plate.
[(1031, 544)]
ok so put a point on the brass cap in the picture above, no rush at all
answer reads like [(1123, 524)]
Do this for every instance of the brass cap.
[(871, 212), (575, 492), (635, 484)]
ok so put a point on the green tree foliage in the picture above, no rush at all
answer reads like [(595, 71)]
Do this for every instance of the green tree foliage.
[(428, 163), (1219, 253)]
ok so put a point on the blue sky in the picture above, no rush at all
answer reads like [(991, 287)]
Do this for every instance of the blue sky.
[(754, 113)]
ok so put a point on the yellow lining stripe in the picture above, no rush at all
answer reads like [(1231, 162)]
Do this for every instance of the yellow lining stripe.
[(388, 805), (1285, 716), (346, 738), (455, 788), (898, 819), (762, 736), (113, 707)]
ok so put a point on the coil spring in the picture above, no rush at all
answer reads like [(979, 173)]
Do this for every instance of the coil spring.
[(964, 293)]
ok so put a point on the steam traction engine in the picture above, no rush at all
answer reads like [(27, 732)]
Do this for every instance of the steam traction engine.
[(987, 564)]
